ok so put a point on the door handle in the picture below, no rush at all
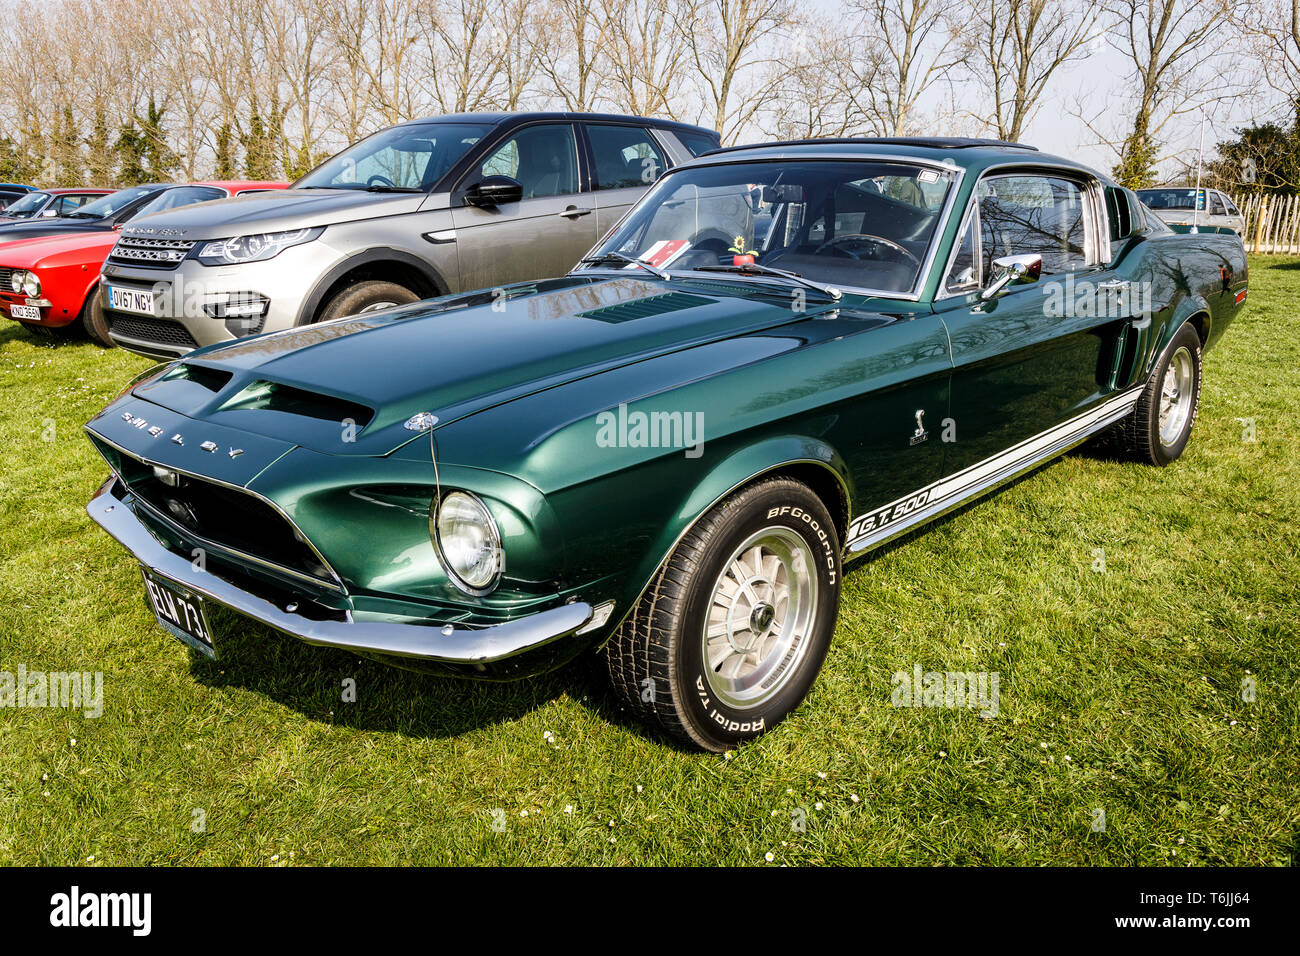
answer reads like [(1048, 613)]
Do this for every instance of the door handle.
[(573, 212), (1115, 285)]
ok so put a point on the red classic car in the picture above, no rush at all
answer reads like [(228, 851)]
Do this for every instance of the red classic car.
[(48, 284)]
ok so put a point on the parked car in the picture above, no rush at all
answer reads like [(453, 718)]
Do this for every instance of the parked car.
[(11, 192), (670, 454), (1179, 206), (50, 283), (417, 210), (100, 215), (48, 203)]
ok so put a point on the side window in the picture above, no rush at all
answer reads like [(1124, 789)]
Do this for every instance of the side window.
[(1031, 213), (1216, 205), (1232, 210), (697, 143), (626, 156), (543, 159), (965, 272)]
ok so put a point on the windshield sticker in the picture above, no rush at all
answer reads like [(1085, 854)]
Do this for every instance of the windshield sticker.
[(663, 252)]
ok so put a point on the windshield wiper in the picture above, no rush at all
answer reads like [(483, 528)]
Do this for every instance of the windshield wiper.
[(630, 260), (381, 188), (759, 270)]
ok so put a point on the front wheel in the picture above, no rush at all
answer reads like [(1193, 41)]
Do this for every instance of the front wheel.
[(732, 632), (370, 295), (93, 321)]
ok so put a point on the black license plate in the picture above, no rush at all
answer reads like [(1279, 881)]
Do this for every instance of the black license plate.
[(180, 612)]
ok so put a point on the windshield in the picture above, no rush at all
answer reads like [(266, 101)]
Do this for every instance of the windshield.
[(403, 158), (1172, 198), (112, 202), (28, 206), (180, 196), (858, 224)]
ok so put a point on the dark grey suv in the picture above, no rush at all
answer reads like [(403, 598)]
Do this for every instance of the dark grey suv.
[(433, 206)]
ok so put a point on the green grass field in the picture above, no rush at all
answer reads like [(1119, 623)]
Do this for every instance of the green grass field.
[(1121, 691)]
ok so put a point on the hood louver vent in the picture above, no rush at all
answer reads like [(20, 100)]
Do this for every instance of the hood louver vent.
[(644, 308)]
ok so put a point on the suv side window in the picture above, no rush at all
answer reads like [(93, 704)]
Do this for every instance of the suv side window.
[(543, 159), (1033, 213), (697, 143), (626, 156)]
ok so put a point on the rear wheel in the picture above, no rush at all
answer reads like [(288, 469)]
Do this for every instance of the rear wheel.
[(729, 637), (93, 321), (1160, 425), (369, 295)]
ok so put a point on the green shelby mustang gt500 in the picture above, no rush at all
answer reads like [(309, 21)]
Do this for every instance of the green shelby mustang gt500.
[(784, 356)]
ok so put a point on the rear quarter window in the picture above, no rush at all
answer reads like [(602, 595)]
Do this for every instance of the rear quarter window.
[(697, 142)]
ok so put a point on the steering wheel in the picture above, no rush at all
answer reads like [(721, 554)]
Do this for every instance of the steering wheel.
[(861, 236), (383, 181)]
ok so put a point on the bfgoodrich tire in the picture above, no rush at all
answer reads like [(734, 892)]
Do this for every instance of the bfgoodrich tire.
[(730, 635), (370, 295), (1160, 426)]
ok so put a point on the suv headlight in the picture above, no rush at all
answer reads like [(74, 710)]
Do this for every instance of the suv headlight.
[(26, 282), (468, 542), (255, 248)]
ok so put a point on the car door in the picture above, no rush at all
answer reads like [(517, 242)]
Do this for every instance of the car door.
[(626, 161), (545, 232), (1039, 361)]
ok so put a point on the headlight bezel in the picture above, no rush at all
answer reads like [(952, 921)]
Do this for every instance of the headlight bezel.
[(22, 281), (233, 251), (459, 498)]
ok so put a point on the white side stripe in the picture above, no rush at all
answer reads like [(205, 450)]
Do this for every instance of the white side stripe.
[(876, 526)]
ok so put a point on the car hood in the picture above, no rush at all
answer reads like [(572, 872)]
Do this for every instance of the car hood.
[(454, 356), (59, 226), (28, 253), (274, 211)]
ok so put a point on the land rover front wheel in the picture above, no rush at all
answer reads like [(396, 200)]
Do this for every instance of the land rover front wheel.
[(370, 295), (730, 635)]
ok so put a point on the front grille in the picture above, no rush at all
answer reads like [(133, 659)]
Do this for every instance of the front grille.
[(164, 253), (157, 331), (6, 276), (228, 518)]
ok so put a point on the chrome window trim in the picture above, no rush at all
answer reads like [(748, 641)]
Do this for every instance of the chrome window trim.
[(338, 581), (923, 274)]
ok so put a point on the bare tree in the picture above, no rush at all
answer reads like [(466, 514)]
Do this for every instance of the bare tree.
[(571, 47), (648, 60), (1015, 48), (1178, 66), (736, 48), (918, 44)]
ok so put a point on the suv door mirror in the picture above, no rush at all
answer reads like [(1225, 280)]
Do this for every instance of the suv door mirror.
[(1013, 270), (494, 191)]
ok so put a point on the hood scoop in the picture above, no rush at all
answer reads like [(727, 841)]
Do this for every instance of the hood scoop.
[(269, 396)]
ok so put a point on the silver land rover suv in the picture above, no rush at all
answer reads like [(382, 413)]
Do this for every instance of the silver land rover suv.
[(433, 206)]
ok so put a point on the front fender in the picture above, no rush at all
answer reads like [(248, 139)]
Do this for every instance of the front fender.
[(768, 456)]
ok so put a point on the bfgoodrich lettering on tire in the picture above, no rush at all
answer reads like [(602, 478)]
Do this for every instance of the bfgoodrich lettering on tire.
[(730, 635)]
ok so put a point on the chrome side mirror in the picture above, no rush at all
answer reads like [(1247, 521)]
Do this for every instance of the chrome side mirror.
[(1013, 270)]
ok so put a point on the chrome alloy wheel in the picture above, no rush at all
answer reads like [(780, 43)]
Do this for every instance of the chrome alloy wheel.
[(762, 610), (1176, 396)]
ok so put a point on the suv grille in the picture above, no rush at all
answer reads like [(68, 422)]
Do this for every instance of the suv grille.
[(157, 331), (165, 253)]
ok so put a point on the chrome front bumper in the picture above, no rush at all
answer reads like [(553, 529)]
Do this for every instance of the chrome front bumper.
[(445, 644)]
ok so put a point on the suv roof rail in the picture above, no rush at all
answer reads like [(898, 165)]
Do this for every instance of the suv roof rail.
[(929, 142)]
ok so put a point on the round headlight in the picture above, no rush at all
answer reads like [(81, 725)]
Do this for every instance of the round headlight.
[(31, 284), (16, 280), (468, 542)]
